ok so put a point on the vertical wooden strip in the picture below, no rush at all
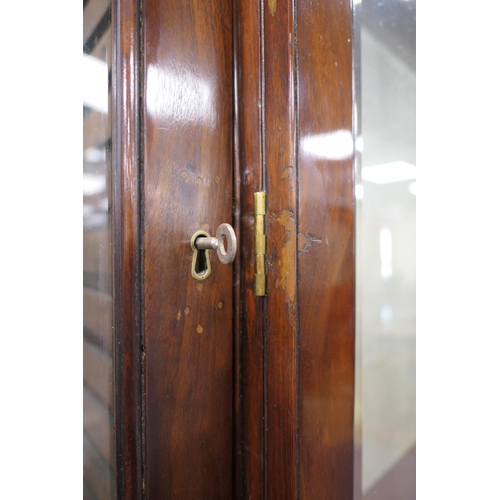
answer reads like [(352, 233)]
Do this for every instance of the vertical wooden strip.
[(281, 180), (126, 155), (248, 29), (326, 248), (237, 400), (188, 186)]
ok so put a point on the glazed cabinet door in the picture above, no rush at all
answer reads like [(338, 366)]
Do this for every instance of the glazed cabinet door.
[(296, 143), (224, 390), (173, 176)]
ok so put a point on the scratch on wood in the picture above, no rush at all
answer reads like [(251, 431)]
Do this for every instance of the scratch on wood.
[(287, 172), (272, 6), (304, 242), (286, 258)]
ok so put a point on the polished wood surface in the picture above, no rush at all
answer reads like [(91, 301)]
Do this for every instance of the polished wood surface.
[(250, 458), (326, 249), (294, 113), (281, 344), (188, 185), (127, 269), (241, 396)]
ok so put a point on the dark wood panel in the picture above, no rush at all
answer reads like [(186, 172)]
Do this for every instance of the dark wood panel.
[(188, 345), (281, 176), (188, 186), (326, 249), (127, 269), (251, 388), (97, 373), (98, 427)]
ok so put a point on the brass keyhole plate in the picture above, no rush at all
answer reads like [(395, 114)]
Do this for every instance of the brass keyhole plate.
[(200, 265)]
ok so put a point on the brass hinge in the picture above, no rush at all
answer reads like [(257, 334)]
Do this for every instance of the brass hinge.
[(260, 287)]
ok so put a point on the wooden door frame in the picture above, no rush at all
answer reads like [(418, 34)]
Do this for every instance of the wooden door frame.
[(294, 349), (295, 88), (127, 239)]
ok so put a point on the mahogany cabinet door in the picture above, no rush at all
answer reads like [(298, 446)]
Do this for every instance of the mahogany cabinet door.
[(188, 186), (173, 164), (295, 108), (221, 393)]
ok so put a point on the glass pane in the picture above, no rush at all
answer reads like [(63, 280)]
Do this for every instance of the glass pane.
[(98, 415), (385, 249)]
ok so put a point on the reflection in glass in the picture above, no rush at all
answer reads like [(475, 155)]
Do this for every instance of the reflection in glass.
[(385, 250), (98, 416)]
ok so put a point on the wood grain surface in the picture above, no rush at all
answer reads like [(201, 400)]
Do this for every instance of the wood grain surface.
[(326, 249), (127, 269), (281, 342), (250, 457), (188, 185), (295, 124), (242, 396)]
